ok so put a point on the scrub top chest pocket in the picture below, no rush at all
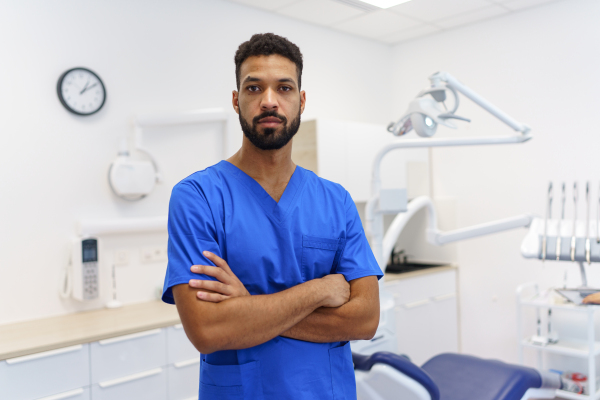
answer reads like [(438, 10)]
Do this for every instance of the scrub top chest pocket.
[(320, 256)]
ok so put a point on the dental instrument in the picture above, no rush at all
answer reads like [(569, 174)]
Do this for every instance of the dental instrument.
[(560, 221), (587, 223), (548, 216), (573, 239)]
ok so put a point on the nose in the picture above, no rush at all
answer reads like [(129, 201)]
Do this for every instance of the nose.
[(269, 101)]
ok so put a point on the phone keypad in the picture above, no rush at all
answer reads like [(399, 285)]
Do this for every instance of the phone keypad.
[(90, 280)]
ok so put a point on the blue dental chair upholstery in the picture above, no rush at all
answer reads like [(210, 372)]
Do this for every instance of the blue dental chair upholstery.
[(460, 377)]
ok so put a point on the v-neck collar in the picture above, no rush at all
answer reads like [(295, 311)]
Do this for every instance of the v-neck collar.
[(276, 210)]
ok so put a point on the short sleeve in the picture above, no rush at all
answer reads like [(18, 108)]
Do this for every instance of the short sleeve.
[(357, 260), (192, 230)]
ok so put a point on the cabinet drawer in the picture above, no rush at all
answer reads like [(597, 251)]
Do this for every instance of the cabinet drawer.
[(184, 379), (76, 394), (43, 374), (147, 385), (126, 355), (423, 287), (179, 347)]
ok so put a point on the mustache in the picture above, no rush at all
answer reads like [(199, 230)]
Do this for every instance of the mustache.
[(269, 114)]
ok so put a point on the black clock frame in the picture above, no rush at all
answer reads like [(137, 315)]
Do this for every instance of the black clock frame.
[(62, 100)]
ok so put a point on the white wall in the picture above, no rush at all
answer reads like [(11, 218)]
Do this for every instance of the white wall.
[(541, 67), (153, 56)]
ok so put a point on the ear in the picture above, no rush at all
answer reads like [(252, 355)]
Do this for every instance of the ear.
[(235, 101), (302, 101)]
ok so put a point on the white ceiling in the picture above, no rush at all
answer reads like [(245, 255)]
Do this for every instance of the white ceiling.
[(396, 24)]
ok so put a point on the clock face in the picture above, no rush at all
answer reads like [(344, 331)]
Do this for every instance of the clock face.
[(81, 91)]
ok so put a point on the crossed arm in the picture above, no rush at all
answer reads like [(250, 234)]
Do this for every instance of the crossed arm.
[(222, 315)]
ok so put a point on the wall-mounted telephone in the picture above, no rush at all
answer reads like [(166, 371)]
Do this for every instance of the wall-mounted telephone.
[(81, 277)]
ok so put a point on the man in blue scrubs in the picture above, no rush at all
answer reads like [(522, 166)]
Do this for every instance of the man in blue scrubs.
[(269, 265)]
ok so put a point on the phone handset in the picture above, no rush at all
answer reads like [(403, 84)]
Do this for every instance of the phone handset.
[(81, 277)]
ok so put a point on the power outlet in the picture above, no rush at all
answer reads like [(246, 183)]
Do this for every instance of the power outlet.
[(121, 258), (152, 254)]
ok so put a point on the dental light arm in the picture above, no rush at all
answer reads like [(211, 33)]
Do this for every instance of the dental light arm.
[(424, 115)]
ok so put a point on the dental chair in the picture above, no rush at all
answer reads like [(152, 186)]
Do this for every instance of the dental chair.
[(386, 376)]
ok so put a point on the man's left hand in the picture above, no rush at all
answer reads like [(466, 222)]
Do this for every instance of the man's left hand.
[(225, 287)]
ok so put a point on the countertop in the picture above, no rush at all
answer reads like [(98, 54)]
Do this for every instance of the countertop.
[(390, 277), (46, 334)]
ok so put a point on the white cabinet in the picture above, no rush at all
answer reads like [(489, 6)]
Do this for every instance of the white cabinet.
[(158, 364), (126, 355), (184, 365), (426, 313), (343, 152), (147, 385), (45, 374)]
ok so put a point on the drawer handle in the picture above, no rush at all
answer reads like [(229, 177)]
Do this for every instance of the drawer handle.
[(129, 337), (444, 297), (187, 363), (130, 378), (50, 353), (64, 395), (417, 303)]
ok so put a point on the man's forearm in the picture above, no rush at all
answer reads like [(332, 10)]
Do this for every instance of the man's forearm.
[(247, 321), (357, 319), (335, 324)]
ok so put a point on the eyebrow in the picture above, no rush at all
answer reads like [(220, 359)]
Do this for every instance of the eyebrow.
[(254, 79)]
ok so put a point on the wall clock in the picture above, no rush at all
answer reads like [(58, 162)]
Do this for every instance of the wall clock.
[(81, 91)]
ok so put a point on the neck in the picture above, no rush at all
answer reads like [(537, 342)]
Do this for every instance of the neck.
[(268, 166)]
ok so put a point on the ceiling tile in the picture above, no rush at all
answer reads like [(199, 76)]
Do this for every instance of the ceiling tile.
[(410, 33), (376, 24), (514, 5), (473, 16), (322, 12), (431, 10), (266, 4)]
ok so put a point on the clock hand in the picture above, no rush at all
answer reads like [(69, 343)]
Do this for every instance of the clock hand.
[(88, 88), (85, 87)]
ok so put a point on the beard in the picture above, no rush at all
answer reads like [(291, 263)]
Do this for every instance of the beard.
[(270, 139)]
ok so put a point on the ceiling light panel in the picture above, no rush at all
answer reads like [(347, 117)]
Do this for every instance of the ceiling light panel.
[(385, 3), (322, 12)]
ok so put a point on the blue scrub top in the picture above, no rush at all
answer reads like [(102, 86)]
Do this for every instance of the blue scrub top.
[(314, 230)]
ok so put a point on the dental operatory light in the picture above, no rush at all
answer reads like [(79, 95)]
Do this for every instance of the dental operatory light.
[(384, 3)]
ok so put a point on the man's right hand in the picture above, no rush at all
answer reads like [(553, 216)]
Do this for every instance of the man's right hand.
[(338, 289)]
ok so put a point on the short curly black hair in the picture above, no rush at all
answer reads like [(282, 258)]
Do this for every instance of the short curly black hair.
[(266, 44)]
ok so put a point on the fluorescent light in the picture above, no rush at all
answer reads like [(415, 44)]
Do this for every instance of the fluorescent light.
[(384, 3)]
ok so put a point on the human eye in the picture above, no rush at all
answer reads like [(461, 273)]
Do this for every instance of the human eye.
[(253, 88), (285, 88)]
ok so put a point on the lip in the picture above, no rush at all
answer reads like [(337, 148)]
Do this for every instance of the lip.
[(269, 121)]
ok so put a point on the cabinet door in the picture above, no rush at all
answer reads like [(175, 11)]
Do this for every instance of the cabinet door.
[(179, 347), (45, 374), (184, 379), (426, 314), (146, 385), (126, 355)]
